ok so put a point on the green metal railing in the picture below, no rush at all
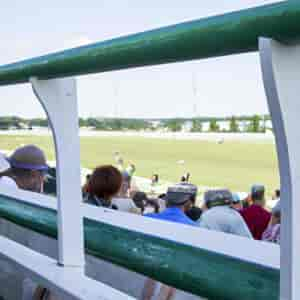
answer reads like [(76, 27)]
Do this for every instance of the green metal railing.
[(231, 33), (195, 270)]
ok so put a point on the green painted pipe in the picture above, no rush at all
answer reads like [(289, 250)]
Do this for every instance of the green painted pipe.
[(232, 33), (197, 271)]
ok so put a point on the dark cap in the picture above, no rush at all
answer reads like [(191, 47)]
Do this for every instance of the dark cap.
[(257, 192), (28, 157), (180, 193), (218, 197), (257, 188)]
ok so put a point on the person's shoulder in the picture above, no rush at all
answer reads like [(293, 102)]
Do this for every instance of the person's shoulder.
[(245, 209), (266, 211), (190, 222), (151, 215), (7, 181)]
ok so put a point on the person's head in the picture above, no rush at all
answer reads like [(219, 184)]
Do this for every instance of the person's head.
[(181, 195), (105, 182), (276, 194), (236, 201), (194, 213), (185, 177), (140, 199), (155, 178), (220, 197), (28, 168), (131, 169), (258, 194)]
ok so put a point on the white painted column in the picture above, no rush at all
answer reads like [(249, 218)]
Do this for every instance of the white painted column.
[(281, 74), (59, 99)]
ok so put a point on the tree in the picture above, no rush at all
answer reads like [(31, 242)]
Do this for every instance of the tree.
[(213, 125), (196, 125), (254, 125), (233, 125), (174, 125)]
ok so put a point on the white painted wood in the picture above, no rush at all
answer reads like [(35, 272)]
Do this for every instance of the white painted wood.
[(66, 283), (59, 99), (281, 74), (261, 253)]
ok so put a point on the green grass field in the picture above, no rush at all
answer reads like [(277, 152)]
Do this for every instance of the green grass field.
[(233, 164)]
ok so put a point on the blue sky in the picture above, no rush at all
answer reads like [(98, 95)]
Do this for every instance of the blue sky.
[(222, 86)]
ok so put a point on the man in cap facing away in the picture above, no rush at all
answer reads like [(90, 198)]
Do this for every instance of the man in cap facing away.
[(256, 216), (178, 201), (220, 216)]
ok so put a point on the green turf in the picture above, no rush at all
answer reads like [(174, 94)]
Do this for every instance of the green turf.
[(233, 164)]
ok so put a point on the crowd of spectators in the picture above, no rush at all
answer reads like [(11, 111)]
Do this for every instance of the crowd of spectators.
[(111, 187)]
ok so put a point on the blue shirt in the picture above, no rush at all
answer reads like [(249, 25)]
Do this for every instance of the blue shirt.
[(172, 214)]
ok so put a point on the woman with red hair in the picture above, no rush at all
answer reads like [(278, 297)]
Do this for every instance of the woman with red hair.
[(104, 184)]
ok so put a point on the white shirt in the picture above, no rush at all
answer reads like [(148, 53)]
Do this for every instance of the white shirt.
[(224, 219), (6, 181), (272, 203), (4, 165), (125, 204)]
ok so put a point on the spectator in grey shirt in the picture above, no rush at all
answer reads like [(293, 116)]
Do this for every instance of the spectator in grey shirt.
[(220, 216)]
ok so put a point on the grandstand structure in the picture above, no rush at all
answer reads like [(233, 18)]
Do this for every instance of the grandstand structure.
[(206, 264)]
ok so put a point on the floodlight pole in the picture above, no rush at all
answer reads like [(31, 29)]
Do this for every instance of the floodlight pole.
[(59, 99), (281, 74)]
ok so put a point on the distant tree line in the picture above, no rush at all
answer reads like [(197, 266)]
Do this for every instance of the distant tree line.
[(8, 122), (254, 123)]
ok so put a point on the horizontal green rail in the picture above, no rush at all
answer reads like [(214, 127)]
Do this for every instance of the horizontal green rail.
[(232, 33), (197, 271)]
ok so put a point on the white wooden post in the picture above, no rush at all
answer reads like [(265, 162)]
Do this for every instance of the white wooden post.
[(281, 73), (59, 99)]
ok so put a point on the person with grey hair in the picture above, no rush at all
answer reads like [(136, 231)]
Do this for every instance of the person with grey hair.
[(272, 233), (220, 216)]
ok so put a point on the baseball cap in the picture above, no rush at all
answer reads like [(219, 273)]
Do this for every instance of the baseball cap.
[(180, 193), (236, 198), (28, 157), (4, 164), (218, 197), (257, 190)]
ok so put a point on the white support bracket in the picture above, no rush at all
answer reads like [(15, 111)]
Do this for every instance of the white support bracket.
[(281, 74), (59, 99)]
